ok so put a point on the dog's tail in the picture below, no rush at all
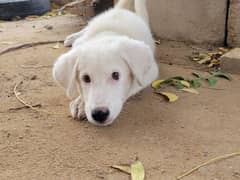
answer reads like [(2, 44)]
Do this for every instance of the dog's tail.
[(139, 6)]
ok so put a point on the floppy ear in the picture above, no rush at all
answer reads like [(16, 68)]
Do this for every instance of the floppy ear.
[(65, 71), (140, 59)]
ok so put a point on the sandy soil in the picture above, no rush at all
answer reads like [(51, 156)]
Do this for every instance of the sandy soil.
[(167, 138)]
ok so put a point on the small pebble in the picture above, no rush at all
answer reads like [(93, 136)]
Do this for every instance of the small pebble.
[(48, 27), (34, 77), (8, 135), (236, 174)]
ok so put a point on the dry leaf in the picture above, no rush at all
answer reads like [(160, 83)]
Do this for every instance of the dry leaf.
[(56, 46), (60, 13), (205, 60), (211, 65), (170, 96), (215, 61), (203, 55), (52, 13), (137, 171), (186, 84), (156, 83), (45, 16), (31, 17), (190, 90), (157, 42), (210, 58), (195, 58), (224, 50), (125, 169)]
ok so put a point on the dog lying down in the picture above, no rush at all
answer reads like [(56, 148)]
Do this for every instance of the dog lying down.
[(111, 59)]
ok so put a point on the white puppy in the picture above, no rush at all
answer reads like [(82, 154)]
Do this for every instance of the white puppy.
[(111, 59)]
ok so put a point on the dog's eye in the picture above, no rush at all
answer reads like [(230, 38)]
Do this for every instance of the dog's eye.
[(86, 78), (115, 76)]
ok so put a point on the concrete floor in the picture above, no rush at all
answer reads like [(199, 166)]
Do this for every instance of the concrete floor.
[(168, 138)]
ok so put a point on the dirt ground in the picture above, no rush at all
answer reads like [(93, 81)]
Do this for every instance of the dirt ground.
[(168, 138)]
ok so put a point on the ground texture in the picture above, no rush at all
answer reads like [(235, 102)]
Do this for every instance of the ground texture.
[(168, 138)]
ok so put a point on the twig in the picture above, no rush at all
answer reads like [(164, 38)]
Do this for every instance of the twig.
[(28, 105), (23, 107), (212, 88), (37, 66), (220, 158), (71, 4), (21, 100), (28, 45)]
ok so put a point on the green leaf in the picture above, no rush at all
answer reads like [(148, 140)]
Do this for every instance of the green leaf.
[(195, 84), (137, 171), (179, 85), (221, 75), (211, 81)]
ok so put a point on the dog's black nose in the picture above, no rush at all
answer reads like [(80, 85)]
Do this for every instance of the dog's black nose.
[(100, 115)]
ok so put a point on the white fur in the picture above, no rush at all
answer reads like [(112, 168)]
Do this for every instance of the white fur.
[(116, 41)]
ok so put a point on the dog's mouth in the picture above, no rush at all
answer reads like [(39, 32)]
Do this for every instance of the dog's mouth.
[(108, 122)]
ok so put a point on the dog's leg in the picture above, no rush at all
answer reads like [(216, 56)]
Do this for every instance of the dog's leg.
[(141, 9), (71, 38), (77, 108), (80, 40), (125, 4)]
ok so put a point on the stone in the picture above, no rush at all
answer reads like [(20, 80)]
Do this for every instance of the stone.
[(230, 62)]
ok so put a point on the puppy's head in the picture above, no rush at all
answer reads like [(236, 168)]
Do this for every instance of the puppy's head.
[(105, 75)]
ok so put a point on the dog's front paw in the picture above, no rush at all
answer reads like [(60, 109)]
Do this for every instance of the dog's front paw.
[(77, 109), (69, 40)]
